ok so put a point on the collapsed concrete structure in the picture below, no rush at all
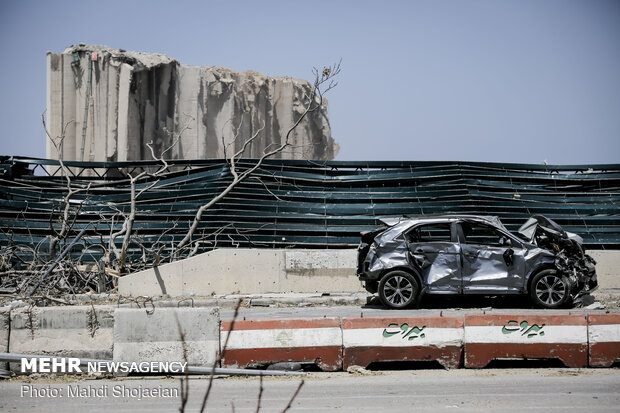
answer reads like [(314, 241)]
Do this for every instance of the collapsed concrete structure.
[(113, 102)]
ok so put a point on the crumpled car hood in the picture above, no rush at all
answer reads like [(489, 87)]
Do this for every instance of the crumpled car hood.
[(540, 222)]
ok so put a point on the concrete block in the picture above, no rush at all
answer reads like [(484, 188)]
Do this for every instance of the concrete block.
[(607, 264), (269, 341), (540, 335), (320, 271), (603, 339), (4, 333), (143, 336), (421, 338), (249, 271), (222, 271), (233, 271), (165, 279), (63, 331)]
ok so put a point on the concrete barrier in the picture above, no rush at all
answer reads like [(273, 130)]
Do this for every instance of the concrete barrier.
[(4, 333), (423, 338), (607, 264), (154, 335), (77, 331), (249, 271), (603, 339), (308, 340), (255, 271), (539, 335)]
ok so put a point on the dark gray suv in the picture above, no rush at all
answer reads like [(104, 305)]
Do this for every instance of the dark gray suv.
[(467, 254)]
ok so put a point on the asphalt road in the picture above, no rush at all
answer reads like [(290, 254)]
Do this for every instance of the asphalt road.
[(493, 390)]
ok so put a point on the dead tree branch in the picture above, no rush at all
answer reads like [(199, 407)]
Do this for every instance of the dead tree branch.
[(126, 230)]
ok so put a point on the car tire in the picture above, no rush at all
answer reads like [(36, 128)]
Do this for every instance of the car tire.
[(549, 289), (398, 289)]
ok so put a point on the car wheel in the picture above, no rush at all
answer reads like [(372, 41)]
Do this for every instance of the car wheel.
[(549, 289), (398, 289)]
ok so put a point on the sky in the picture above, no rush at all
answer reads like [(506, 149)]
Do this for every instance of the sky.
[(523, 81)]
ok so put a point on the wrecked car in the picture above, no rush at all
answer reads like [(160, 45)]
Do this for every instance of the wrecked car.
[(468, 254)]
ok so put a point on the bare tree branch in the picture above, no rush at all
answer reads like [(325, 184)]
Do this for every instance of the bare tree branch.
[(127, 229), (290, 403), (220, 357)]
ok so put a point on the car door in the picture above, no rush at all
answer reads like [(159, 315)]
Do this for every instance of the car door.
[(492, 262), (434, 251)]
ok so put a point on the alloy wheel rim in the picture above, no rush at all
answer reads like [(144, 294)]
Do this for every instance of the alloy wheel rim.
[(398, 290), (550, 289)]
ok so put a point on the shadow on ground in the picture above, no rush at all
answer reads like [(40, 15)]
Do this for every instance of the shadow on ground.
[(469, 302)]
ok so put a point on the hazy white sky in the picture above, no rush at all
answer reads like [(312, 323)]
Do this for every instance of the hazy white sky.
[(502, 81)]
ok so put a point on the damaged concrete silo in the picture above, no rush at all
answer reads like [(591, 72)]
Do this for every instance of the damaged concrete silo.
[(115, 102)]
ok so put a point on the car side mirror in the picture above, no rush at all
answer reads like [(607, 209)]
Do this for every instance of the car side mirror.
[(505, 242)]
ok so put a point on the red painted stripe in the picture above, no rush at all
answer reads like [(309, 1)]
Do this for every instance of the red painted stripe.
[(272, 324), (611, 318), (538, 318), (478, 355), (382, 322), (328, 358), (450, 356), (604, 354)]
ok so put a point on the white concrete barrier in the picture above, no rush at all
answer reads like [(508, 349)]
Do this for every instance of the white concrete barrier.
[(607, 268), (4, 333), (424, 337), (154, 335), (256, 271), (249, 271), (537, 335), (75, 331), (267, 341)]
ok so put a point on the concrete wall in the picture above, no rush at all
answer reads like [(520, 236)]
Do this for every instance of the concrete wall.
[(246, 271), (143, 336), (75, 331), (4, 333), (607, 268), (138, 97)]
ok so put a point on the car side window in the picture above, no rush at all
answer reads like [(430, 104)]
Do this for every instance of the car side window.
[(478, 234), (430, 233)]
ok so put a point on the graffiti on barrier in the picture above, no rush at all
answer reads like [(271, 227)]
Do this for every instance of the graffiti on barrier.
[(404, 330), (524, 328), (284, 338)]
